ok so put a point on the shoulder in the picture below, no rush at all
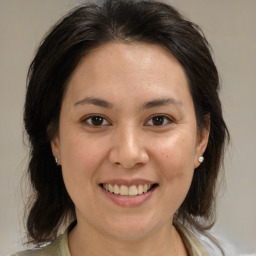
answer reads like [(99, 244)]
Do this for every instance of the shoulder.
[(192, 241), (203, 245), (57, 248), (228, 248)]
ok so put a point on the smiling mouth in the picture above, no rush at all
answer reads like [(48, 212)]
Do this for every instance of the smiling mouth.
[(128, 191)]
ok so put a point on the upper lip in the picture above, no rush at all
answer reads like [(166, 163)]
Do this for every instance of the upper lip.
[(128, 182)]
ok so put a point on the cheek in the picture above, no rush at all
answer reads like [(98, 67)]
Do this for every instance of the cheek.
[(82, 151), (176, 153), (81, 158), (176, 163)]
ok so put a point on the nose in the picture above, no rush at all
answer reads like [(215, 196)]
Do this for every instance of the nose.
[(128, 148)]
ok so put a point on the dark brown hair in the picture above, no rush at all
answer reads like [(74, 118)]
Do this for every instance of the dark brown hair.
[(87, 27)]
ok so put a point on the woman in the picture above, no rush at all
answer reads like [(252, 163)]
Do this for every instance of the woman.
[(126, 131)]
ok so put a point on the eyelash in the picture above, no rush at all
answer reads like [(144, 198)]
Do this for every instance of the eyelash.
[(85, 120), (167, 120), (104, 122)]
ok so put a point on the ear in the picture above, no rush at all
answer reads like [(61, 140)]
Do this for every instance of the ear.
[(202, 141), (55, 145)]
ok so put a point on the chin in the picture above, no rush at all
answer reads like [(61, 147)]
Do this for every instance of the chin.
[(131, 228)]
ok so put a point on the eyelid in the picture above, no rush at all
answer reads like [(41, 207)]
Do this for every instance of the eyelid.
[(167, 117), (87, 117)]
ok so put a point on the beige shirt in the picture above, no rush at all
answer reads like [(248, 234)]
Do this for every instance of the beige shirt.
[(60, 247)]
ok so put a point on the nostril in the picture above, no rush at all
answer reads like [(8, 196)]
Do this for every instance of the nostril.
[(126, 165), (127, 157)]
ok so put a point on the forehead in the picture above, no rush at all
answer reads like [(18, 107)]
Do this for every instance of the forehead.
[(138, 56), (131, 69)]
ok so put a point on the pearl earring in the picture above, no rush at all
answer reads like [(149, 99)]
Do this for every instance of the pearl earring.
[(56, 160), (200, 159)]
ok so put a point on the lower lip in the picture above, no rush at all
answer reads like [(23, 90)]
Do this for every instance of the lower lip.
[(129, 201)]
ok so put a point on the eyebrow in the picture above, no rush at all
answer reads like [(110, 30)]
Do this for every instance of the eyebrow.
[(161, 102), (150, 104), (94, 101)]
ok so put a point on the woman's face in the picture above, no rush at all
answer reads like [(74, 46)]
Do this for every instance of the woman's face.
[(128, 125)]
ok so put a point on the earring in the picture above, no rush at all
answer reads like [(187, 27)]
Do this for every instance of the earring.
[(200, 159), (56, 160)]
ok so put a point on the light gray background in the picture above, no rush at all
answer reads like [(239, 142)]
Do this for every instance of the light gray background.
[(230, 26)]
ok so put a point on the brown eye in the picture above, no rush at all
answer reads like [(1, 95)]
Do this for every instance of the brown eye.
[(96, 121), (159, 120)]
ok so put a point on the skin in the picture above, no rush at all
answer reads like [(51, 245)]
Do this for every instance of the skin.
[(128, 145)]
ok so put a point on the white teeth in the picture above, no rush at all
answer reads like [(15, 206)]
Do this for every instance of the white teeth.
[(140, 189), (110, 188), (133, 191), (124, 190), (116, 189)]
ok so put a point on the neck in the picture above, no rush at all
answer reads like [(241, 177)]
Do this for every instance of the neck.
[(85, 240)]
